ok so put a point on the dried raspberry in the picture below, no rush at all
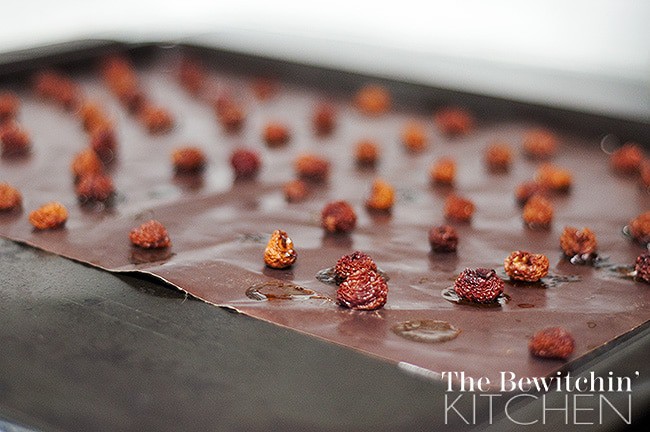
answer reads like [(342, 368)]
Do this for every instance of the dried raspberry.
[(540, 144), (85, 163), (92, 116), (458, 208), (443, 238), (50, 216), (15, 140), (498, 157), (363, 290), (627, 159), (279, 252), (95, 187), (481, 285), (265, 88), (454, 121), (150, 235), (528, 189), (366, 153), (382, 196), (443, 171), (245, 163), (57, 88), (373, 99), (324, 119), (312, 168), (414, 137), (552, 342), (526, 266), (349, 264), (9, 106), (188, 159), (578, 242), (276, 134), (554, 178), (10, 198), (538, 213), (295, 191), (642, 267), (191, 75), (640, 228), (338, 217), (157, 120), (103, 142)]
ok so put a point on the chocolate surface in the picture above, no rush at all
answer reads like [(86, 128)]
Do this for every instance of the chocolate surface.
[(219, 225)]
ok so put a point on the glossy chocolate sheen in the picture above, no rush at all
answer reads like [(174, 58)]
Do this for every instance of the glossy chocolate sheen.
[(219, 226)]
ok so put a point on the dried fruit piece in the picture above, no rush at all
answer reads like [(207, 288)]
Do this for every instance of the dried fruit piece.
[(640, 228), (554, 178), (642, 267), (276, 134), (443, 171), (188, 159), (57, 88), (373, 99), (95, 187), (644, 174), (92, 116), (481, 285), (264, 88), (627, 159), (338, 217), (366, 153), (538, 213), (49, 216), (279, 252), (364, 289), (157, 120), (526, 266), (528, 189), (150, 235), (414, 137), (10, 197), (103, 142), (382, 196), (540, 144), (498, 157), (458, 208), (191, 75), (15, 140), (552, 342), (86, 162), (443, 238), (324, 119), (9, 106), (295, 191), (454, 121), (349, 264), (578, 242), (312, 168), (245, 163)]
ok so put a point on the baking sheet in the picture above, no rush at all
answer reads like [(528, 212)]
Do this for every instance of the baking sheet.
[(219, 226)]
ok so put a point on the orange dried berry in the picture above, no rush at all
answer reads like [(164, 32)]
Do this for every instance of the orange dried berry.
[(312, 168), (86, 162), (103, 142), (578, 242), (10, 197), (295, 191), (540, 144), (554, 178), (15, 140), (50, 216), (458, 208), (364, 289), (627, 159), (338, 217), (443, 171), (526, 266), (552, 342), (324, 119), (92, 116), (454, 121), (150, 235), (95, 187), (414, 137), (279, 252), (498, 157), (57, 88), (528, 189), (349, 264), (373, 99), (191, 75), (188, 159), (382, 196), (640, 228), (246, 163), (366, 153), (538, 212), (157, 120), (276, 134), (231, 117), (9, 106)]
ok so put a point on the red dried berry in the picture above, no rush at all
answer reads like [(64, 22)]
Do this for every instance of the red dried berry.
[(265, 88), (276, 134), (644, 174), (373, 99), (443, 171), (443, 238), (49, 216), (498, 157), (642, 267), (540, 144), (554, 178), (454, 121), (245, 163), (9, 106), (627, 159), (157, 120), (103, 142), (578, 242), (295, 191), (312, 168), (92, 116), (338, 217), (191, 75), (640, 228), (10, 197), (15, 140), (481, 285), (552, 342), (95, 187), (537, 213), (366, 153), (526, 266), (528, 189), (150, 235), (458, 208), (349, 264), (414, 137), (231, 115), (188, 160), (57, 88), (364, 289), (324, 119)]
